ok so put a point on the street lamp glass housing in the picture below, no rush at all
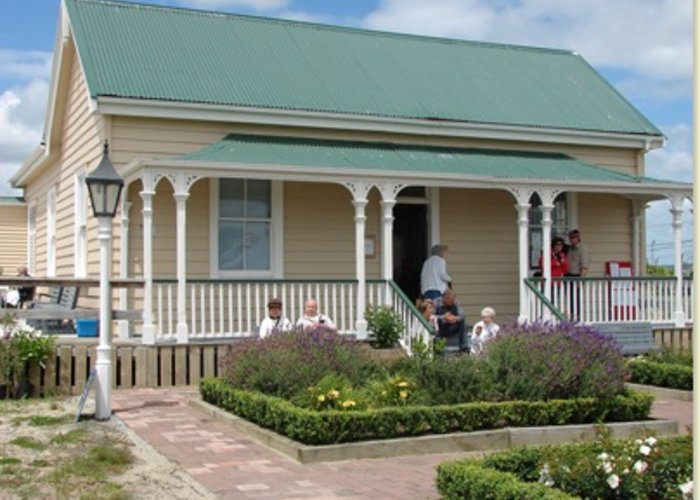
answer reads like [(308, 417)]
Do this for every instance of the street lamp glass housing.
[(105, 186)]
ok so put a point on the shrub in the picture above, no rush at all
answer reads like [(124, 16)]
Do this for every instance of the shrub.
[(389, 391), (21, 348), (285, 364), (673, 376), (667, 355), (332, 392), (333, 426), (540, 361), (444, 381), (631, 468), (384, 326)]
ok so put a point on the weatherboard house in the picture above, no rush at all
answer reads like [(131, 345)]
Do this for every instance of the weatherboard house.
[(270, 157)]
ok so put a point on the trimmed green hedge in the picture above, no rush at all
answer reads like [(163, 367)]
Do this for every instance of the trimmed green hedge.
[(472, 480), (514, 473), (673, 376), (332, 426)]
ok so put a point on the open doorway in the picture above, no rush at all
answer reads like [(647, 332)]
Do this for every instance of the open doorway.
[(410, 246)]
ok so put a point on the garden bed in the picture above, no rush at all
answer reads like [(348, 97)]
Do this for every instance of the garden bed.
[(335, 426), (644, 467), (487, 440)]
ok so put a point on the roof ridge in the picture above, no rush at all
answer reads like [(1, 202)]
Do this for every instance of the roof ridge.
[(329, 27)]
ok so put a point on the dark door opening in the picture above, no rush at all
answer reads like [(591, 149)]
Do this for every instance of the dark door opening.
[(410, 246)]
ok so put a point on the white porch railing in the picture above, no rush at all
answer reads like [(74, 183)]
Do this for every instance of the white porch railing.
[(235, 308), (607, 300)]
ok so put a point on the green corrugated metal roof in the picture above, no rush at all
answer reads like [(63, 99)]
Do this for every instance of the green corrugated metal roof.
[(359, 156), (152, 52)]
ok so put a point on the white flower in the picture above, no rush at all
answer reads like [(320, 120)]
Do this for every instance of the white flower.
[(604, 456), (545, 477), (607, 468), (644, 450), (639, 467), (614, 481), (651, 441), (687, 489), (638, 442)]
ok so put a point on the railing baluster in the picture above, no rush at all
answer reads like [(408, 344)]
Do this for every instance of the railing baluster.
[(193, 308), (203, 310), (247, 308), (239, 308), (211, 310), (171, 330), (230, 309), (222, 325)]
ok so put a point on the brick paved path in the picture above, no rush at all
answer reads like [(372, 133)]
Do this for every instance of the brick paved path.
[(231, 465)]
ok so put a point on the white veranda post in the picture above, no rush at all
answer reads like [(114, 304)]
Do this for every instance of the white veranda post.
[(359, 193), (547, 206), (149, 336), (677, 223), (523, 207), (388, 192)]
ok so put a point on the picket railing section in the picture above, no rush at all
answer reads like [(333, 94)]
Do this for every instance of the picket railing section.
[(607, 300), (235, 308)]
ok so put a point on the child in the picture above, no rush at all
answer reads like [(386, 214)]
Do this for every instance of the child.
[(427, 309), (484, 330)]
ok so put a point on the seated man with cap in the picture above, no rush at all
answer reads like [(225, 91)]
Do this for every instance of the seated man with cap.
[(274, 321)]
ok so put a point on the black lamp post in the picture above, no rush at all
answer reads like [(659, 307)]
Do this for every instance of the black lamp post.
[(105, 186)]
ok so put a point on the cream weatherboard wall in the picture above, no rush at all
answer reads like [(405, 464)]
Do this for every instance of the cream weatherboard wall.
[(77, 147), (13, 236)]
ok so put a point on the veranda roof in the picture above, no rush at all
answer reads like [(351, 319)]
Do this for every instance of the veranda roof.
[(299, 155), (150, 52)]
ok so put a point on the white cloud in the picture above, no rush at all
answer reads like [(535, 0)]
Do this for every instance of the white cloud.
[(675, 161), (21, 124), (22, 64), (649, 37)]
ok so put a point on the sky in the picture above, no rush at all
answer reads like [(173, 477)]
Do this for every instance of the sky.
[(642, 47)]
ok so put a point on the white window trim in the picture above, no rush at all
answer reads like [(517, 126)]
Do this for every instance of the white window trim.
[(51, 232), (80, 223), (31, 238), (276, 235)]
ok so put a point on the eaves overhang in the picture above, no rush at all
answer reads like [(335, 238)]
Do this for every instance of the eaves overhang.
[(145, 108)]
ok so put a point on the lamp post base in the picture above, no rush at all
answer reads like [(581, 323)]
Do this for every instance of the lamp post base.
[(103, 389)]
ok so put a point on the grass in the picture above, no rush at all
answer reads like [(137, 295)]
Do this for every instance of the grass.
[(43, 420), (55, 458), (29, 443), (73, 436)]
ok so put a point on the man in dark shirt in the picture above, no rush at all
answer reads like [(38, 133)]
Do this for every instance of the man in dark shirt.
[(451, 319)]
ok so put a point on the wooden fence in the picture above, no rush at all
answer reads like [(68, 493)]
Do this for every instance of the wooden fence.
[(137, 366)]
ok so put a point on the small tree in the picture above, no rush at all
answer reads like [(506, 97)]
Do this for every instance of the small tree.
[(384, 326)]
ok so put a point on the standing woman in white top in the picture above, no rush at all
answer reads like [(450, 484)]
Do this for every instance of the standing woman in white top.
[(434, 279), (484, 330)]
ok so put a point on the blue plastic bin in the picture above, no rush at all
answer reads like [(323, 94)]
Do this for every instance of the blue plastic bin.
[(86, 327)]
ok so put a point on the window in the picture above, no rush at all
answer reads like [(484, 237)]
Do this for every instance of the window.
[(51, 233), (80, 225), (559, 225), (31, 240), (244, 225)]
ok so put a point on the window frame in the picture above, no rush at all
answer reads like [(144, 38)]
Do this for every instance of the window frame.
[(80, 205), (558, 229), (276, 234)]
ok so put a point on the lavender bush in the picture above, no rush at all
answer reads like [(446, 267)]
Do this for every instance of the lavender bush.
[(540, 361), (285, 364)]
